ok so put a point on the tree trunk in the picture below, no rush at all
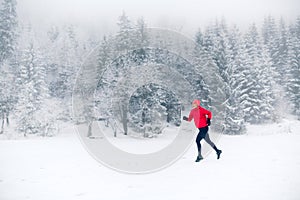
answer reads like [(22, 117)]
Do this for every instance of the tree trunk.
[(7, 119), (124, 118), (2, 126), (90, 123)]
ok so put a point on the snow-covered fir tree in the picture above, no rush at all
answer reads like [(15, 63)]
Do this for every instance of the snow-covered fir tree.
[(142, 39), (124, 43), (293, 71), (234, 119), (270, 40), (33, 89), (125, 38), (86, 83), (217, 44), (53, 33), (69, 61), (258, 77), (105, 55), (8, 43), (204, 61), (8, 29), (104, 59), (63, 54), (219, 48), (152, 107), (8, 95), (281, 58), (267, 92)]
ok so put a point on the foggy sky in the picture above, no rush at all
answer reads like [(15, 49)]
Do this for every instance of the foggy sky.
[(182, 15)]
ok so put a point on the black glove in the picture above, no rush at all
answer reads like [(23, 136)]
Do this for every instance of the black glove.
[(208, 122), (185, 118)]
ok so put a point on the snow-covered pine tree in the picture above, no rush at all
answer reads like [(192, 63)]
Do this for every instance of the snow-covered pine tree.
[(216, 44), (86, 84), (203, 60), (199, 39), (125, 41), (70, 60), (64, 57), (220, 52), (8, 95), (251, 100), (234, 119), (270, 40), (53, 33), (275, 54), (105, 54), (266, 76), (8, 43), (8, 29), (293, 71), (33, 89), (281, 58), (173, 107), (125, 38), (219, 48), (257, 103), (158, 117), (51, 57), (104, 59), (142, 39), (208, 39), (150, 107)]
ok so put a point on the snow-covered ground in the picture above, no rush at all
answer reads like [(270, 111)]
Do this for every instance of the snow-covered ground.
[(263, 164)]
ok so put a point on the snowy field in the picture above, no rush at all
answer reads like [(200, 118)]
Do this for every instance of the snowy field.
[(263, 164)]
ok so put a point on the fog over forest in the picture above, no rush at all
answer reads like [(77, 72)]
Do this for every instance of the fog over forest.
[(99, 16)]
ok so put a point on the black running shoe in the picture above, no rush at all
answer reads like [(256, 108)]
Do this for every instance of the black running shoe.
[(219, 153), (198, 159)]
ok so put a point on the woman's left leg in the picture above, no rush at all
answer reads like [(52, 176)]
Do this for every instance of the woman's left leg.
[(207, 139)]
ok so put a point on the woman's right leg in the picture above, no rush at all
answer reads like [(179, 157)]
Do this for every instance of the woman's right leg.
[(198, 140), (202, 133)]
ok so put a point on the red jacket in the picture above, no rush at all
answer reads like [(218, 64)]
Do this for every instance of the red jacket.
[(199, 115)]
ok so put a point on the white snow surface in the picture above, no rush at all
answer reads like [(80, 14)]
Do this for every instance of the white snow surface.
[(263, 164)]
